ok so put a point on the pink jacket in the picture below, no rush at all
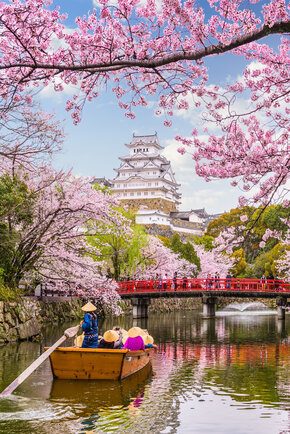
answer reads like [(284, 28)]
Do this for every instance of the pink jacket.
[(134, 344)]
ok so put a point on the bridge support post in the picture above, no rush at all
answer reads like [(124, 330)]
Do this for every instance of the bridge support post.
[(281, 303), (208, 306), (140, 307)]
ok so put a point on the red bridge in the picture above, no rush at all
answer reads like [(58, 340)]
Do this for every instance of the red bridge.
[(229, 287), (141, 291)]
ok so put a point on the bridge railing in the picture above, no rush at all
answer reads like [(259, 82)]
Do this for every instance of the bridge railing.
[(207, 284)]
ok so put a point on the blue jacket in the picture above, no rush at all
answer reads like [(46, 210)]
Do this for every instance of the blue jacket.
[(90, 324)]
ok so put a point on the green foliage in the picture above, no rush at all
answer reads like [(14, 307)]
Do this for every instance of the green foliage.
[(9, 294), (119, 247), (271, 218), (265, 263), (185, 250), (228, 219), (133, 256), (102, 188), (16, 212), (15, 200), (205, 240), (238, 270), (253, 261)]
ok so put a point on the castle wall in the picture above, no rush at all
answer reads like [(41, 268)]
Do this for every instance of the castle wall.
[(159, 204)]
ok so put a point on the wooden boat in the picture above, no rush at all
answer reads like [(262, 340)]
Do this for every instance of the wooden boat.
[(72, 363), (85, 397)]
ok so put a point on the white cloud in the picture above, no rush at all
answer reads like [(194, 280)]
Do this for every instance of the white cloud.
[(215, 196), (48, 92), (141, 3)]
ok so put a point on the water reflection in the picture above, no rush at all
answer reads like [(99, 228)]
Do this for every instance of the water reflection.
[(214, 376), (105, 393)]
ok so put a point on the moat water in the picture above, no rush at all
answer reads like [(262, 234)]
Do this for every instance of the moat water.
[(222, 376)]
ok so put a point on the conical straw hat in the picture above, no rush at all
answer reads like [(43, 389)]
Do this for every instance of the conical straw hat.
[(124, 336), (133, 332), (111, 336), (148, 340), (143, 333), (89, 307)]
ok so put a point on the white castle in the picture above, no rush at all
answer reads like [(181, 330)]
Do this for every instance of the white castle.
[(147, 175), (145, 182)]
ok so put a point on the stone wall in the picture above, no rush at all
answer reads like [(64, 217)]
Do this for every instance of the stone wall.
[(25, 318), (164, 305), (186, 224), (158, 203)]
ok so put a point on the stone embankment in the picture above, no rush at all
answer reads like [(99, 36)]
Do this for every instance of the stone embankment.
[(24, 319)]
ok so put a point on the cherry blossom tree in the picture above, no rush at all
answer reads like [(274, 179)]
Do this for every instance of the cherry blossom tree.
[(213, 261), (139, 49), (158, 258), (49, 244), (28, 135), (283, 264)]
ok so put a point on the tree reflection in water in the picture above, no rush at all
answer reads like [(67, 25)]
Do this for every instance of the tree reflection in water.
[(203, 372)]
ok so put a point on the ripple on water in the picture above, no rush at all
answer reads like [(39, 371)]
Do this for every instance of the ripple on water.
[(21, 408), (208, 377)]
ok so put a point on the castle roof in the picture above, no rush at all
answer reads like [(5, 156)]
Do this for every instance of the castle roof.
[(186, 214), (147, 140)]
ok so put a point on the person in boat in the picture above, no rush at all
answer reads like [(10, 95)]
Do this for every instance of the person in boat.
[(90, 326), (149, 342), (112, 340), (134, 342)]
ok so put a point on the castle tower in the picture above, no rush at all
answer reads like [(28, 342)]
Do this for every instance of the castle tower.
[(145, 178)]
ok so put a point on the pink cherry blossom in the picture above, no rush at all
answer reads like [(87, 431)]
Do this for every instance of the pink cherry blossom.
[(160, 259), (244, 218), (53, 246), (154, 48), (213, 261)]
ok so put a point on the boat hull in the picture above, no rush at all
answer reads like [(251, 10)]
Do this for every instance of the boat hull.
[(72, 363)]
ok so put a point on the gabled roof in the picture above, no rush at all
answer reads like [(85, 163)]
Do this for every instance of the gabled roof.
[(151, 163), (184, 215), (168, 170), (148, 140), (126, 163), (102, 181)]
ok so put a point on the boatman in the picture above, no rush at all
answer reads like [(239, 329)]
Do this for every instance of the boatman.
[(90, 326)]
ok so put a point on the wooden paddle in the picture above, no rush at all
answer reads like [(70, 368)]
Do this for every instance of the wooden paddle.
[(69, 333)]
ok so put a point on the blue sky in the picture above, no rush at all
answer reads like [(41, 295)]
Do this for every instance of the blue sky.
[(92, 148)]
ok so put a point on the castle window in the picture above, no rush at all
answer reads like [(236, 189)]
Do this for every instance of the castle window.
[(139, 193), (149, 184), (131, 194), (145, 193)]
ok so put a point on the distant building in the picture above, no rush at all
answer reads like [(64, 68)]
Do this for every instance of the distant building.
[(145, 183), (104, 182)]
